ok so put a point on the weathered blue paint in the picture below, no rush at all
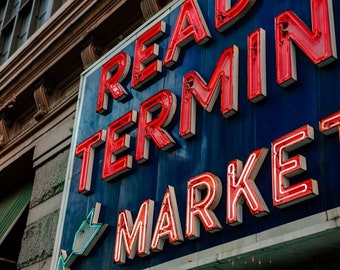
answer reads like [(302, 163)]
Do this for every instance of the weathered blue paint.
[(218, 140)]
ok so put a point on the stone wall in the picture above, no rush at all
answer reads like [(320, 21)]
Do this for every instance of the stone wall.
[(51, 155)]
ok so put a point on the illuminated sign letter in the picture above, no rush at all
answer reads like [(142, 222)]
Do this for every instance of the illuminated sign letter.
[(257, 81), (190, 25), (145, 67), (202, 208), (330, 124), (241, 186), (86, 151), (164, 104), (224, 78), (115, 144), (113, 73), (168, 223), (132, 238), (318, 44), (85, 238), (225, 16), (284, 167)]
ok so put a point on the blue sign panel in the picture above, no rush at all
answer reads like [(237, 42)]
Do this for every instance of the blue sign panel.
[(259, 149)]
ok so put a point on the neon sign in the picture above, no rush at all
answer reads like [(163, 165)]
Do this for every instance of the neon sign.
[(145, 123), (223, 79), (85, 238)]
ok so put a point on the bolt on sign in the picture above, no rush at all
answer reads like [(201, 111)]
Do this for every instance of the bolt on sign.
[(214, 121)]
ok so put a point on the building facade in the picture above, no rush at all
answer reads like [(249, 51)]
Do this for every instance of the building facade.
[(45, 45), (185, 134)]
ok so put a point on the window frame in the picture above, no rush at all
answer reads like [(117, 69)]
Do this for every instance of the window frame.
[(11, 22)]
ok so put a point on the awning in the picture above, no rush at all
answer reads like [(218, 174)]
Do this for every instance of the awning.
[(12, 207)]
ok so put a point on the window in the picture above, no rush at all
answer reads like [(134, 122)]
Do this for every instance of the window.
[(22, 25), (19, 19), (2, 11), (42, 12), (5, 44), (15, 8)]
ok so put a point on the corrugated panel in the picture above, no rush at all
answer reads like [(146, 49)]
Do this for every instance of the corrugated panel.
[(11, 207)]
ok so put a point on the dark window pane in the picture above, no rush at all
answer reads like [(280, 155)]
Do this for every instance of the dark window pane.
[(23, 25), (2, 11), (42, 12), (5, 45)]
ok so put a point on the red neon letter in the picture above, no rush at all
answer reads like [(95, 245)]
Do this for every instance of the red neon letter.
[(241, 186), (134, 237), (330, 124), (226, 16), (145, 67), (168, 223), (190, 25), (116, 144), (86, 150), (318, 44), (284, 167), (113, 73), (224, 78), (198, 208), (257, 84), (148, 128)]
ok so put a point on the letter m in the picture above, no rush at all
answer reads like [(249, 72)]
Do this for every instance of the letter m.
[(132, 238), (224, 79)]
